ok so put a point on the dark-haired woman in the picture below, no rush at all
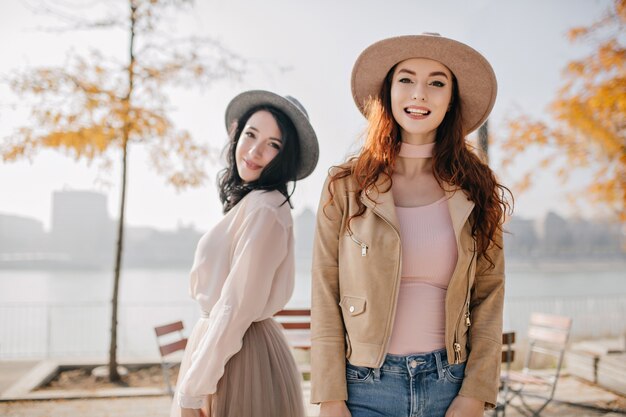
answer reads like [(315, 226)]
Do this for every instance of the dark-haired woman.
[(237, 362), (408, 269)]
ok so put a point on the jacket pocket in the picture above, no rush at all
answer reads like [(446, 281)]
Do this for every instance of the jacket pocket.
[(352, 306)]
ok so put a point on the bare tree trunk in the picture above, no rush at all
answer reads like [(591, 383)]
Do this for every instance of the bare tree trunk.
[(483, 141), (113, 374)]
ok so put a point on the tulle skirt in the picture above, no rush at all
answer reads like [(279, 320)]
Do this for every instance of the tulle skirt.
[(261, 380)]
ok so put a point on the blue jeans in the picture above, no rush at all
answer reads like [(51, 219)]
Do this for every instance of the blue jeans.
[(420, 385)]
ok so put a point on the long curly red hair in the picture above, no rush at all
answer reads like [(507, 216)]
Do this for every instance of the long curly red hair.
[(454, 162)]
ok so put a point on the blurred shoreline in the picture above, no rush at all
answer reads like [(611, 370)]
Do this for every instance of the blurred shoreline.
[(564, 265), (513, 264)]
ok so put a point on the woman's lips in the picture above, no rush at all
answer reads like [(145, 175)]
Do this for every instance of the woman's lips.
[(251, 165), (415, 112)]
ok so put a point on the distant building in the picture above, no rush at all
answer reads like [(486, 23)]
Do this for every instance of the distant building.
[(20, 234), (557, 236), (520, 238), (83, 236), (81, 227), (597, 238), (577, 238), (147, 247)]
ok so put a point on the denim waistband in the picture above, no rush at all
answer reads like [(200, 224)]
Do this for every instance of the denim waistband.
[(415, 363)]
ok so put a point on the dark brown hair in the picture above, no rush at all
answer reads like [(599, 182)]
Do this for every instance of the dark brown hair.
[(275, 176)]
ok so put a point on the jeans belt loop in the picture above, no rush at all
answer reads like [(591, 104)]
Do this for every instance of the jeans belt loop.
[(439, 364), (376, 372)]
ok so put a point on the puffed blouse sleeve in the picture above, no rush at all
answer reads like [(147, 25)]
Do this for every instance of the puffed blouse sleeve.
[(261, 246)]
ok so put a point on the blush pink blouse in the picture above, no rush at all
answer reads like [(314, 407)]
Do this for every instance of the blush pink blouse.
[(429, 256), (243, 272)]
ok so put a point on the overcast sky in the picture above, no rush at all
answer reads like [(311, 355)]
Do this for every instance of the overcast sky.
[(304, 49)]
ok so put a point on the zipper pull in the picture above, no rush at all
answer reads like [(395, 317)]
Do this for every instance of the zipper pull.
[(468, 322), (457, 352), (363, 249)]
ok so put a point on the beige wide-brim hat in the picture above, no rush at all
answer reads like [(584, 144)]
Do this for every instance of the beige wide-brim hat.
[(476, 80), (309, 148)]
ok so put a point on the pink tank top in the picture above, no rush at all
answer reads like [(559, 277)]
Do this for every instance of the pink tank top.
[(429, 256)]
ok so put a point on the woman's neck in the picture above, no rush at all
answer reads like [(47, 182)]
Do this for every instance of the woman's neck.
[(418, 138), (410, 151), (414, 160)]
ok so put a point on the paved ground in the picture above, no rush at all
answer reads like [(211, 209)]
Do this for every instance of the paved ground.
[(569, 389), (11, 371), (159, 407), (101, 407)]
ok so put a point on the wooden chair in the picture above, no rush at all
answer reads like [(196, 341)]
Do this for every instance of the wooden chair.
[(296, 324), (547, 338), (167, 348), (508, 356)]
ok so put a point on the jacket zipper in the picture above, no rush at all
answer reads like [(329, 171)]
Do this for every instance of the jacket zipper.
[(457, 352), (363, 246), (395, 294), (468, 321)]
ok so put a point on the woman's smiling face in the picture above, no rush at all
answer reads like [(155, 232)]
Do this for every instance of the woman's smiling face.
[(259, 143), (421, 90)]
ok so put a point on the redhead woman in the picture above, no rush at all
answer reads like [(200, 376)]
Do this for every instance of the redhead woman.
[(408, 267), (237, 362)]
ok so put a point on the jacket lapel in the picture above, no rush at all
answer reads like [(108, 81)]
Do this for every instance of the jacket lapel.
[(381, 203), (459, 205)]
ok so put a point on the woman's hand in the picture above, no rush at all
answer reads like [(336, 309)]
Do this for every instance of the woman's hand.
[(465, 407), (334, 409)]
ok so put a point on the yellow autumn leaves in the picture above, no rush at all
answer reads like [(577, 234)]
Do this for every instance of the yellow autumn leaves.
[(588, 125), (83, 109)]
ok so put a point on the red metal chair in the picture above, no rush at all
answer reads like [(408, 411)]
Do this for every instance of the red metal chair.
[(167, 348), (508, 356)]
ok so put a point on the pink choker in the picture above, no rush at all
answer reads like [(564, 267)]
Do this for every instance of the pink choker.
[(416, 151)]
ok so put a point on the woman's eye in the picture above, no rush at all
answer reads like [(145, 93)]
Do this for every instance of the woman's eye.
[(275, 145), (404, 80), (438, 83), (249, 134)]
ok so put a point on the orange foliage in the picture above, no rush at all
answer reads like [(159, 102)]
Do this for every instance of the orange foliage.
[(589, 117), (82, 108)]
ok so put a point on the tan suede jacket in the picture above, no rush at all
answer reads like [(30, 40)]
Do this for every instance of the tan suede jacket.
[(356, 277)]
